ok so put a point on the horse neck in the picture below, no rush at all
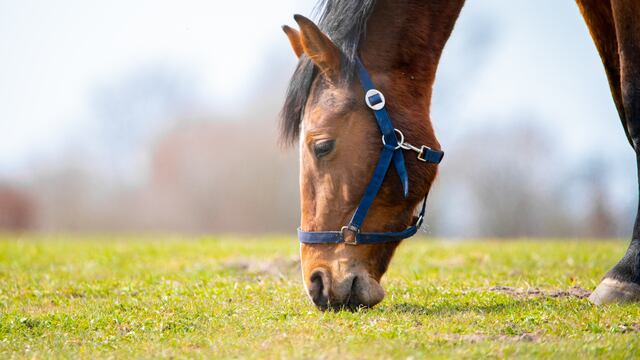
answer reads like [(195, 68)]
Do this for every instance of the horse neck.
[(404, 40)]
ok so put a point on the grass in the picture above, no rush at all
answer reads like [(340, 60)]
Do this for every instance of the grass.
[(78, 297)]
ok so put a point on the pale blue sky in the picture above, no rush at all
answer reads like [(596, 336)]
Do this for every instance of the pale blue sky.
[(54, 54)]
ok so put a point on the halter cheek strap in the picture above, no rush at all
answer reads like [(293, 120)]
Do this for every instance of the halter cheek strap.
[(393, 144)]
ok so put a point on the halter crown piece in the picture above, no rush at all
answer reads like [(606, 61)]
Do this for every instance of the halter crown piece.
[(393, 144)]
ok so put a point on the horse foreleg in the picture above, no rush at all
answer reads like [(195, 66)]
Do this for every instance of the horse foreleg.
[(622, 283)]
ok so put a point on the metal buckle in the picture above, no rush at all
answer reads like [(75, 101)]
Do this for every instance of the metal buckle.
[(419, 221), (371, 93), (352, 228), (423, 152)]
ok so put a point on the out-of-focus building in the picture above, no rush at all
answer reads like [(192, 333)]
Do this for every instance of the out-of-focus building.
[(17, 209), (224, 177)]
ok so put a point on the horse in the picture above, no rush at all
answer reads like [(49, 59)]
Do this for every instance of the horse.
[(366, 71)]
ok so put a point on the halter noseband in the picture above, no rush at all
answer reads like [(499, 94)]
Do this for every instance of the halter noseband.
[(391, 151)]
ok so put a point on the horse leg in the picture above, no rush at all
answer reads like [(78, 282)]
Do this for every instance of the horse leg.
[(620, 50), (598, 15)]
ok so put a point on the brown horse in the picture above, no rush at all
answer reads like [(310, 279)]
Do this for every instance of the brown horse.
[(400, 43)]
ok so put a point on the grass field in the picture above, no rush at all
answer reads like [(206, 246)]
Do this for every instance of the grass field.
[(230, 297)]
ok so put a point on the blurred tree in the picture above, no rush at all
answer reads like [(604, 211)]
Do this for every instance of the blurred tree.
[(508, 177), (131, 112), (599, 213)]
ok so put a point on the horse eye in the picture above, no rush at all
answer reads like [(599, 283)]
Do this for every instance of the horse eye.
[(323, 148)]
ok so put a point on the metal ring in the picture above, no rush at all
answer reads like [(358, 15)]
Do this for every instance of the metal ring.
[(371, 93), (400, 142)]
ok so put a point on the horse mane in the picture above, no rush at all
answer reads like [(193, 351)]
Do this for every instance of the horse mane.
[(345, 22)]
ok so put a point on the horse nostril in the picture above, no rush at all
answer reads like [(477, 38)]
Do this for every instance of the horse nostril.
[(364, 292), (354, 302), (319, 288)]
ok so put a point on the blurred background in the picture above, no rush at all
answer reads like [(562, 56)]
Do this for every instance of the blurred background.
[(152, 116)]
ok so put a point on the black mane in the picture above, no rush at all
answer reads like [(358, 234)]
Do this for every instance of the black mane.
[(345, 22)]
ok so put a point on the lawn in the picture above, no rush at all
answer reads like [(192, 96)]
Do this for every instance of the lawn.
[(226, 297)]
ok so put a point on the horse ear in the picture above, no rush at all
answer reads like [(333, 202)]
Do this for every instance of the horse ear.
[(319, 48), (294, 39)]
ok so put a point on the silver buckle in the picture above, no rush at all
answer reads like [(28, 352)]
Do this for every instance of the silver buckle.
[(420, 220), (354, 229), (423, 152), (371, 93)]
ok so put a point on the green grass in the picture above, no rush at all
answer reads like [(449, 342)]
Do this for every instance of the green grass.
[(74, 297)]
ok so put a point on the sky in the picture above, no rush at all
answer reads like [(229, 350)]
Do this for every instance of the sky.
[(54, 54), (503, 58), (540, 61)]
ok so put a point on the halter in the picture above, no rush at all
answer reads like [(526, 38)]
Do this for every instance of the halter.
[(392, 145)]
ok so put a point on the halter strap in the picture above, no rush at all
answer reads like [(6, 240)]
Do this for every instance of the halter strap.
[(337, 237), (391, 152)]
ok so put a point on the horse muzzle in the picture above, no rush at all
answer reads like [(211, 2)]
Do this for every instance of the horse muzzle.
[(353, 291)]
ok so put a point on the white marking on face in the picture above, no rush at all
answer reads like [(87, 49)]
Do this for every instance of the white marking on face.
[(301, 141), (304, 283), (301, 144)]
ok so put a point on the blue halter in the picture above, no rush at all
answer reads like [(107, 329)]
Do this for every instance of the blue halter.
[(391, 152)]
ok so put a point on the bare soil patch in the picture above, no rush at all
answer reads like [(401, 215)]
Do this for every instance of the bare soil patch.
[(575, 291), (474, 338), (280, 266)]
